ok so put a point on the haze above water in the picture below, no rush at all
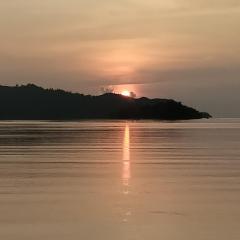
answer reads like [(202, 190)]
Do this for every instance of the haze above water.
[(120, 180)]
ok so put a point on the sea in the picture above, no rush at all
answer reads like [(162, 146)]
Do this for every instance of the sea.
[(120, 180)]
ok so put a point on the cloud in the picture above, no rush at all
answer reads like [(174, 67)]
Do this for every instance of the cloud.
[(83, 45)]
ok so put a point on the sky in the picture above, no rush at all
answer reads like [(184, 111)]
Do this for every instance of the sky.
[(187, 50)]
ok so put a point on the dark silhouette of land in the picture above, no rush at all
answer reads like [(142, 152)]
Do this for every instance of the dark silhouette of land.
[(29, 102)]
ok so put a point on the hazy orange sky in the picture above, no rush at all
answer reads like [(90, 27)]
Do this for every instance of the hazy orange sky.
[(183, 49)]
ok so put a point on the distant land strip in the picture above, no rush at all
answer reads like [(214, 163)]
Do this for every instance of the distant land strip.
[(31, 102)]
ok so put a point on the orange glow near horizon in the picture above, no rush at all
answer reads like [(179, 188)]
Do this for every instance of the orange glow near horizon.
[(126, 89), (126, 93)]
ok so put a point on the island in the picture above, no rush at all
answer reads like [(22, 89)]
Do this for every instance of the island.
[(31, 102)]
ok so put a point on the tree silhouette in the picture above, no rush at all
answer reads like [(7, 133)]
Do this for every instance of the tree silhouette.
[(34, 102)]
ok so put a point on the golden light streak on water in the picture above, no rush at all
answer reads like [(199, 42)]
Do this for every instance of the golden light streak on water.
[(126, 172)]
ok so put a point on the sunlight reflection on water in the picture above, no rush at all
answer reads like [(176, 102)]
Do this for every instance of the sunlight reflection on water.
[(126, 172), (126, 180)]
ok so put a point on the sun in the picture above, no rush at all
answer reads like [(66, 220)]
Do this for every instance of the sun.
[(126, 93)]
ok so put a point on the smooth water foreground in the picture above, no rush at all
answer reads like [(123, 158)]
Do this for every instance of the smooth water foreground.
[(120, 180)]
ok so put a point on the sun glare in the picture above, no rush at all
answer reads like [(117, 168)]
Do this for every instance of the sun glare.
[(126, 93)]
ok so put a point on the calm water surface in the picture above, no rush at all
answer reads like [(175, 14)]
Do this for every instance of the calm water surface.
[(133, 180)]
